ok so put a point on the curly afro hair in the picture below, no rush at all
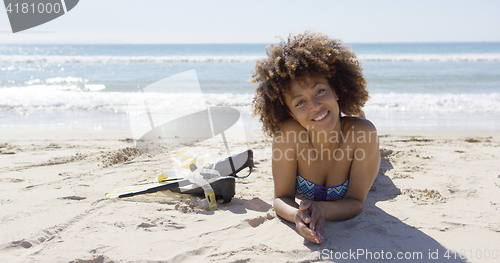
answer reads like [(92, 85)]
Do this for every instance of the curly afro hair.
[(307, 54)]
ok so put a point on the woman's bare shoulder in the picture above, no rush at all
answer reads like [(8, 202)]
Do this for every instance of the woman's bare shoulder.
[(291, 125), (361, 132), (355, 124)]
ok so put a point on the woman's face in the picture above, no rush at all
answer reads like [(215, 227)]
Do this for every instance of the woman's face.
[(313, 103)]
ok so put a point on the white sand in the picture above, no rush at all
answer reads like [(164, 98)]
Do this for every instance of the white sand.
[(436, 191)]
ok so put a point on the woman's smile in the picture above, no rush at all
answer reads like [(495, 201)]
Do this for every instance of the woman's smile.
[(322, 116)]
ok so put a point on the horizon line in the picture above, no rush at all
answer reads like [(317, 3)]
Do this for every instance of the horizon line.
[(248, 43)]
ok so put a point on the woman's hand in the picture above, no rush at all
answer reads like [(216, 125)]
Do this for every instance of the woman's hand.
[(310, 221)]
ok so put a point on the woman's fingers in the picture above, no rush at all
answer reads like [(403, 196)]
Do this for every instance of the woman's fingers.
[(320, 223), (317, 221), (321, 230), (312, 236), (305, 204), (306, 232), (302, 219), (312, 220), (318, 227), (305, 211), (305, 216), (313, 209)]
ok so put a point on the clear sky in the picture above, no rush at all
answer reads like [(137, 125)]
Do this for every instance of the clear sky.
[(237, 21)]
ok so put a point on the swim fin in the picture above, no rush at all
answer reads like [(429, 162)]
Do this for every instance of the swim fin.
[(223, 185), (234, 164), (224, 188)]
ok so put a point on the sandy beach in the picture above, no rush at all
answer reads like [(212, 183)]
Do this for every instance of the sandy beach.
[(436, 198)]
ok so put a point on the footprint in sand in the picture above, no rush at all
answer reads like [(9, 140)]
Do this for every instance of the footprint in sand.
[(255, 222), (21, 243), (167, 225), (98, 259), (121, 156), (423, 197), (73, 197), (11, 180)]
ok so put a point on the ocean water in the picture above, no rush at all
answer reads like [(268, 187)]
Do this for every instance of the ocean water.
[(422, 86)]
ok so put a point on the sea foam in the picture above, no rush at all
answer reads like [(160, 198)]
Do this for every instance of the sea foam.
[(459, 57), (434, 103), (409, 57), (80, 96), (39, 59)]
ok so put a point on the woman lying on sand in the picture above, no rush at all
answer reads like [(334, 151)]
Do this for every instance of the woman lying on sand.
[(326, 160)]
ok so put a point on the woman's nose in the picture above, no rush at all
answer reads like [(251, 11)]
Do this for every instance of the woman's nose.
[(315, 104)]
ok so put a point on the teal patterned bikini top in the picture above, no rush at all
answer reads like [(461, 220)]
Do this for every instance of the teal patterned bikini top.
[(305, 189)]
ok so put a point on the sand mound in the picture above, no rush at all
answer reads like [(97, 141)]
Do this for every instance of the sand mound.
[(121, 156)]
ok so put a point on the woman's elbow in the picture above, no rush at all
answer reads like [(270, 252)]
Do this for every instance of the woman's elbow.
[(356, 207)]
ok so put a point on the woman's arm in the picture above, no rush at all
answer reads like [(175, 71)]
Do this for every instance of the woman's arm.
[(364, 170), (284, 169), (307, 217)]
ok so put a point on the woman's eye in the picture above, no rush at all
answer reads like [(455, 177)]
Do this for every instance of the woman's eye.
[(299, 103), (321, 91)]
